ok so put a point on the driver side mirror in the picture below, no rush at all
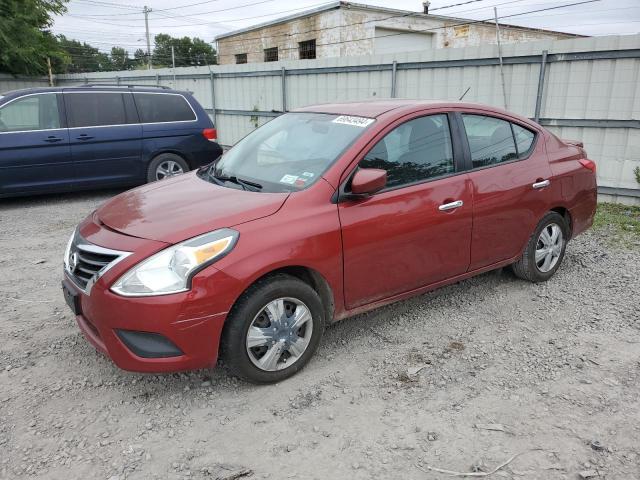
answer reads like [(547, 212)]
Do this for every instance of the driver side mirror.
[(368, 181)]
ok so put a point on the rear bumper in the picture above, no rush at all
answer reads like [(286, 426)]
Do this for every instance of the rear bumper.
[(583, 213)]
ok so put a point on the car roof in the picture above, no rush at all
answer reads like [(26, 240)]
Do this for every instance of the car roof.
[(92, 88), (376, 108)]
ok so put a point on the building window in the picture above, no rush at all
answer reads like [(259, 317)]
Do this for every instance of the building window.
[(241, 58), (307, 49), (271, 54)]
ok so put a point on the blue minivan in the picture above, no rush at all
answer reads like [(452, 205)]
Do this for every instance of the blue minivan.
[(95, 136)]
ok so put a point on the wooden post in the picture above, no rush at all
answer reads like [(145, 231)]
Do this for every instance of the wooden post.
[(50, 72)]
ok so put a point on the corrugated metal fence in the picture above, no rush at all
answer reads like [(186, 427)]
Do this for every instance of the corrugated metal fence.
[(584, 89)]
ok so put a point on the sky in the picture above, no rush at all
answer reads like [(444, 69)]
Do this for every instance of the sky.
[(105, 23)]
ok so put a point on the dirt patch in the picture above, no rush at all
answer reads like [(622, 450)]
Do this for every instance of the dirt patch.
[(556, 364)]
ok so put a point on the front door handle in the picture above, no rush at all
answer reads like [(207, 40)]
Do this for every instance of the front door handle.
[(52, 139), (541, 184), (450, 206), (84, 137)]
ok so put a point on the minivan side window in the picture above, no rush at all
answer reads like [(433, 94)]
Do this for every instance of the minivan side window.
[(415, 151), (160, 108), (490, 140), (93, 109), (33, 112)]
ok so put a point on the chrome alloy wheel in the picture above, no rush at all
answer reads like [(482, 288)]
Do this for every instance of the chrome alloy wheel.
[(279, 334), (167, 169), (549, 247)]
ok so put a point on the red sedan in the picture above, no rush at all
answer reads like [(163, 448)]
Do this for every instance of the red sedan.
[(321, 214)]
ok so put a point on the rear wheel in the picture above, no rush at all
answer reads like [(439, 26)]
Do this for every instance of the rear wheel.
[(545, 251), (166, 165), (273, 330)]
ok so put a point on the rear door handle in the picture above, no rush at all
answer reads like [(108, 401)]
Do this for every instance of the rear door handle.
[(84, 137), (541, 184), (450, 206), (52, 139)]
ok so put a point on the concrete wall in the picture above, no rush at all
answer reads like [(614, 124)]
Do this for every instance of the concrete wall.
[(10, 82), (352, 31), (593, 100)]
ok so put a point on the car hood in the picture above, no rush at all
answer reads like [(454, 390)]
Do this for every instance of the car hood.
[(183, 207)]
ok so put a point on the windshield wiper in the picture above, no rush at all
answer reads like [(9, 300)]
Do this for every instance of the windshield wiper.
[(238, 181)]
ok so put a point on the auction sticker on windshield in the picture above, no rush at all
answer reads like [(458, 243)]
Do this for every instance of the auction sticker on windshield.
[(289, 179), (361, 122)]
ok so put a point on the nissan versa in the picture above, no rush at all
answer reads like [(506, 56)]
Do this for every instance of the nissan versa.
[(321, 214)]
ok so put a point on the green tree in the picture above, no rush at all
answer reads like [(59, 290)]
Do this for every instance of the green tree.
[(139, 58), (83, 57), (25, 39), (188, 52), (120, 59)]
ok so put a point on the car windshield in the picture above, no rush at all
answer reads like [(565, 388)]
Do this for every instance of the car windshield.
[(287, 154)]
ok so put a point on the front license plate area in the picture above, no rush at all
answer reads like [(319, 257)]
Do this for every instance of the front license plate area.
[(72, 298)]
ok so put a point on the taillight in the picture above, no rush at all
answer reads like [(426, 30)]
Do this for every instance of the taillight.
[(589, 164), (210, 134)]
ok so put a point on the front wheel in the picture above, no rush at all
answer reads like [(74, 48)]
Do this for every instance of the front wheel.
[(273, 330), (545, 251)]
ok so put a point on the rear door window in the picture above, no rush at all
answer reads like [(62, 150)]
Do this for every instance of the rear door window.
[(95, 109), (163, 107), (490, 140), (33, 112)]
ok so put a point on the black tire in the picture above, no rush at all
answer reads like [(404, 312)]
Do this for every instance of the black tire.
[(164, 158), (527, 268), (233, 345)]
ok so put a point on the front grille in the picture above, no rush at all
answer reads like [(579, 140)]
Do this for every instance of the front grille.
[(85, 262)]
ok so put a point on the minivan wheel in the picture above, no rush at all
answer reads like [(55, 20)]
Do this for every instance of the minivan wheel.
[(545, 250), (166, 165), (273, 330)]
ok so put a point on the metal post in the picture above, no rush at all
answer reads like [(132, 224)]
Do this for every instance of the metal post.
[(394, 70), (284, 90), (157, 79), (213, 99), (543, 68), (173, 62), (146, 10), (504, 91), (118, 81)]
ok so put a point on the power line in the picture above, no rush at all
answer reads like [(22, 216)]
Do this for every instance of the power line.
[(470, 22), (199, 13), (155, 10)]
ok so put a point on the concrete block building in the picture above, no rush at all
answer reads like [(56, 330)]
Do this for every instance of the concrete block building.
[(341, 29)]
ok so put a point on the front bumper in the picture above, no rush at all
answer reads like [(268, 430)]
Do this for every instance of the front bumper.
[(164, 333), (105, 319)]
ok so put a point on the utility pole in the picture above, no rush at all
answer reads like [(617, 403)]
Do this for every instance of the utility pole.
[(50, 73), (146, 10), (173, 62), (504, 92)]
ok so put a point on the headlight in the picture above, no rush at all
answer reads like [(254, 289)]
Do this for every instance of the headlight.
[(171, 270)]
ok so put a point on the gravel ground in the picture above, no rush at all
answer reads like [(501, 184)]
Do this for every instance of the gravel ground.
[(460, 379)]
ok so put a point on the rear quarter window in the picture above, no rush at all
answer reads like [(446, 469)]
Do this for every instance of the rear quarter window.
[(524, 140), (157, 108)]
